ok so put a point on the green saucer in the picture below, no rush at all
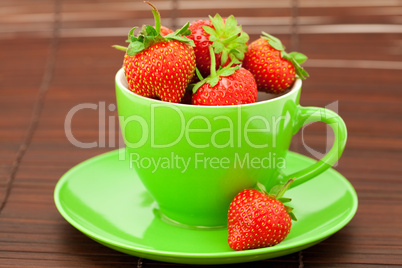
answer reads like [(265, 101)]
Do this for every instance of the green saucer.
[(104, 199)]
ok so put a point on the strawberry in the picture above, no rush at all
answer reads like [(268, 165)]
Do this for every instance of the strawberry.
[(226, 86), (257, 219), (274, 69), (226, 37), (157, 66), (165, 30)]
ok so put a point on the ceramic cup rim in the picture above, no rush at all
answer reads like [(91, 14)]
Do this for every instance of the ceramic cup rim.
[(122, 84)]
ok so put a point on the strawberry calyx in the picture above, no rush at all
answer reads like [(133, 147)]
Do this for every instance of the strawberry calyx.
[(150, 35), (213, 78), (227, 38), (277, 193), (295, 58)]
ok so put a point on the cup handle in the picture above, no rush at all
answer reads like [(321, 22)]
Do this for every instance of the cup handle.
[(314, 114)]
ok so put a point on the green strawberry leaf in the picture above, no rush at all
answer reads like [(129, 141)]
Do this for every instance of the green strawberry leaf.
[(289, 210), (261, 188), (183, 30), (183, 39), (284, 199), (224, 57), (147, 41), (148, 30), (218, 47), (230, 24), (242, 39), (228, 71), (300, 58), (275, 189), (199, 75), (230, 41), (180, 35), (150, 35), (213, 81), (217, 22), (301, 73), (131, 32), (198, 85), (237, 55), (235, 60), (273, 41), (296, 59), (132, 39), (213, 38), (227, 38), (209, 30), (134, 48), (277, 192), (292, 216), (285, 55)]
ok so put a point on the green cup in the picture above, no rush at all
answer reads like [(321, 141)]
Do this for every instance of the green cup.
[(194, 159)]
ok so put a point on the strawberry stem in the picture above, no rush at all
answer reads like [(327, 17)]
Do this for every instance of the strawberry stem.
[(283, 189), (120, 48), (214, 76), (213, 61), (157, 17), (150, 35)]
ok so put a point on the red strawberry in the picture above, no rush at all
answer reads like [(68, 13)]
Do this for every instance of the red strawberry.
[(227, 86), (165, 30), (274, 69), (257, 219), (226, 37), (157, 66)]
